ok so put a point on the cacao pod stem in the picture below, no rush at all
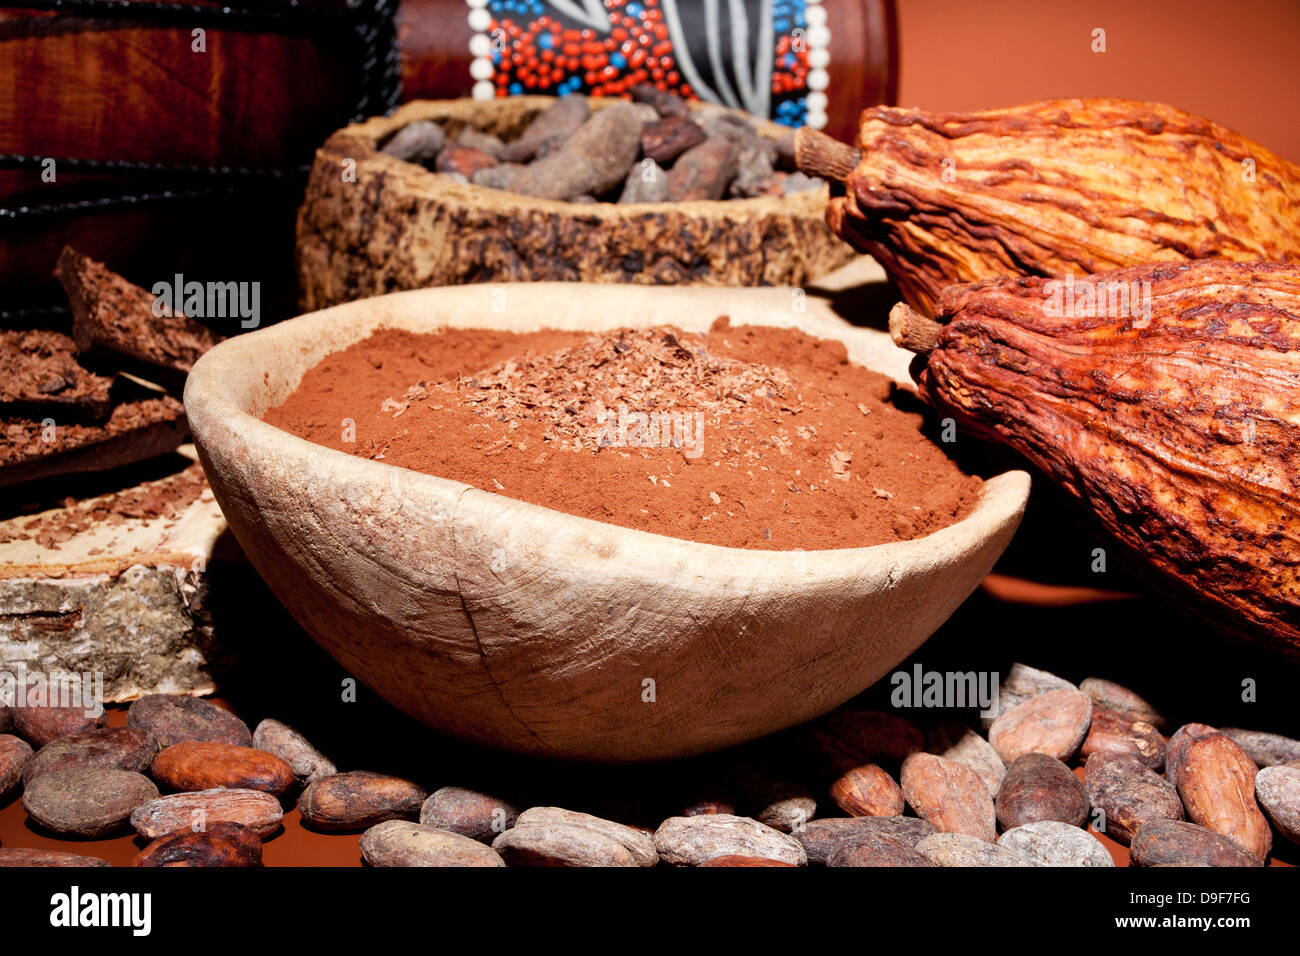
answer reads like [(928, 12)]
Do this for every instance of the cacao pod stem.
[(912, 330), (817, 154)]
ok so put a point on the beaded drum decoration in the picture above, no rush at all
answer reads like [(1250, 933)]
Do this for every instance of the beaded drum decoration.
[(767, 57)]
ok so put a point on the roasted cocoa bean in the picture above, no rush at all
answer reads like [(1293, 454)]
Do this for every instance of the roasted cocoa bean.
[(86, 803), (962, 849), (1128, 794), (867, 791), (638, 842), (222, 844), (255, 809), (201, 765), (1278, 791), (1019, 684), (667, 139), (1216, 781), (647, 182), (1107, 695), (463, 160), (692, 841), (1038, 787), (358, 800), (594, 160), (1052, 843), (293, 748), (40, 724), (556, 123), (416, 142), (949, 795), (736, 860), (1053, 723), (23, 856), (175, 718), (955, 741), (109, 748), (1125, 734), (552, 836), (703, 171), (469, 813), (821, 838), (665, 102), (1175, 843), (484, 142), (877, 850), (15, 754), (402, 843), (1177, 743)]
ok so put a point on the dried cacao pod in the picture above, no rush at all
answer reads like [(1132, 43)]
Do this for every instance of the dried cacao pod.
[(1061, 187), (1177, 422)]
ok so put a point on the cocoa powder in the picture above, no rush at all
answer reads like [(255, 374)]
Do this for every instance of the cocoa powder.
[(801, 448)]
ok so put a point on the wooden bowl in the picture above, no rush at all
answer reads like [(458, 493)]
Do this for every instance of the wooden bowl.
[(400, 226), (396, 573)]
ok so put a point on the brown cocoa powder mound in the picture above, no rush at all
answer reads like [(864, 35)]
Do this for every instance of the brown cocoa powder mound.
[(802, 449)]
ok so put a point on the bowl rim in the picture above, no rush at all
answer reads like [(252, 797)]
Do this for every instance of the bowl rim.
[(213, 407)]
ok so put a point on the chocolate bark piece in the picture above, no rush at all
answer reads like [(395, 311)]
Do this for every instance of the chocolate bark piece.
[(110, 314), (39, 374), (141, 428)]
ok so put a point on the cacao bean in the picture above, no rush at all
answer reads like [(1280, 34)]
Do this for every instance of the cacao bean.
[(638, 843), (594, 160), (949, 795), (255, 809), (22, 856), (464, 160), (735, 860), (821, 838), (692, 841), (293, 748), (109, 748), (703, 171), (955, 741), (645, 183), (175, 718), (1175, 843), (665, 102), (667, 139), (40, 724), (1128, 793), (557, 122), (1278, 791), (1216, 781), (416, 142), (1038, 787), (962, 849), (483, 142), (1267, 750), (551, 836), (1123, 733), (222, 844), (402, 843), (1178, 743), (201, 765), (6, 718), (15, 754), (1019, 684), (1053, 723), (358, 800), (86, 803), (1107, 695), (469, 813), (877, 850), (867, 791), (1053, 843)]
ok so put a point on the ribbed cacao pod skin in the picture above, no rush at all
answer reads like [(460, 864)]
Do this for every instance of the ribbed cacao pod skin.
[(1062, 187), (1182, 437)]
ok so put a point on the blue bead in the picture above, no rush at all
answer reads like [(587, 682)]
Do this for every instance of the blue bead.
[(516, 89), (546, 41), (617, 60), (781, 25)]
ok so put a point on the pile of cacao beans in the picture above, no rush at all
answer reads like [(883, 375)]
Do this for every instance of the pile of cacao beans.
[(199, 788), (657, 149)]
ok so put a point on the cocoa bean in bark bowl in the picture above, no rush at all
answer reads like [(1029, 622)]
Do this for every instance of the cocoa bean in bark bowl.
[(395, 572), (372, 222)]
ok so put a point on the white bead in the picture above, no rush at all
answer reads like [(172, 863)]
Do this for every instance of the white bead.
[(818, 79), (480, 44), (481, 69), (477, 3), (818, 36), (816, 120), (819, 58), (479, 19), (483, 90), (814, 16), (817, 102)]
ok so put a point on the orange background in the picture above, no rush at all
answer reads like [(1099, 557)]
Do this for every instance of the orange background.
[(1236, 63)]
